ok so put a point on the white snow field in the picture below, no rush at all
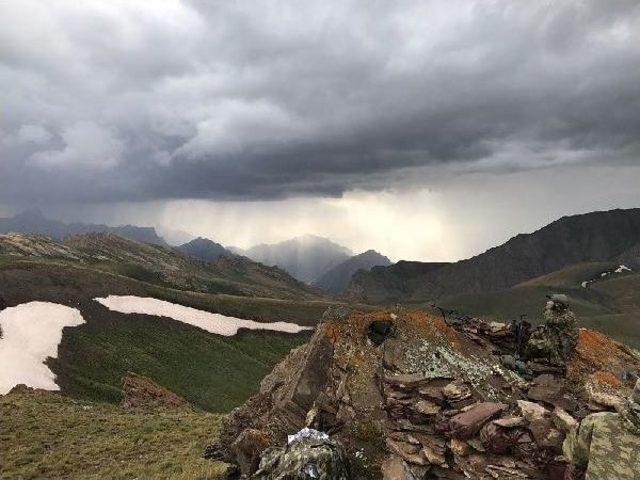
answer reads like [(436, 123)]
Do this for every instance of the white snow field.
[(31, 332), (211, 322)]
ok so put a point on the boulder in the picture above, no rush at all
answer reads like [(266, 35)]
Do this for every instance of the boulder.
[(395, 468), (456, 391), (506, 437), (426, 407)]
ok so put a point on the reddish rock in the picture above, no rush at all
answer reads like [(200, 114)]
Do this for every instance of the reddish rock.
[(467, 424), (142, 392)]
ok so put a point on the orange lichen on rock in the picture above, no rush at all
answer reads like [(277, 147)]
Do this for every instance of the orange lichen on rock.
[(412, 322), (600, 359), (332, 332), (606, 378), (433, 328)]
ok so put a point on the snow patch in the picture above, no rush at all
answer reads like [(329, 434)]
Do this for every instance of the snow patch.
[(620, 269), (210, 322), (31, 332)]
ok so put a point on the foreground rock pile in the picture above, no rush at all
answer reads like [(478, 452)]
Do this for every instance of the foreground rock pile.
[(412, 396)]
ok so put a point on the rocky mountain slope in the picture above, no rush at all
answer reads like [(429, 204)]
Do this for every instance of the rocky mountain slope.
[(305, 258), (415, 396), (34, 222), (159, 265), (337, 279), (592, 237)]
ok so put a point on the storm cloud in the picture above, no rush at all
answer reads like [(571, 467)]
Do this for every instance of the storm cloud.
[(139, 101)]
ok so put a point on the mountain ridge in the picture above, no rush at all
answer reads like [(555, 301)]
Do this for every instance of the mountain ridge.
[(594, 236), (158, 264), (337, 279), (33, 221)]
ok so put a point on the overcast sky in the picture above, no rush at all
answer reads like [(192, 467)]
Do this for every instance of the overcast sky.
[(427, 130)]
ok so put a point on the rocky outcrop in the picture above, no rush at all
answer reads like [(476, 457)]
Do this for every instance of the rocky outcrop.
[(142, 392), (423, 397)]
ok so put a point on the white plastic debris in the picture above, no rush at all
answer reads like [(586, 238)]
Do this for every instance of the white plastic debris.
[(307, 433)]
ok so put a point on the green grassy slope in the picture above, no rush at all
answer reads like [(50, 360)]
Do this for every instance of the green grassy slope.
[(48, 436), (28, 278), (611, 305), (214, 372)]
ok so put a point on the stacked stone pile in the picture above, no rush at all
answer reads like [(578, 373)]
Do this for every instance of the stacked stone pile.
[(413, 396)]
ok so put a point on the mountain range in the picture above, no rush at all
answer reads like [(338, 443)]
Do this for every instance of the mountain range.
[(33, 221), (580, 256), (308, 258), (593, 237), (159, 265)]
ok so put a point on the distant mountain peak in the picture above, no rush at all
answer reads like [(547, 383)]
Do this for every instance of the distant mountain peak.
[(204, 249), (337, 279), (305, 257)]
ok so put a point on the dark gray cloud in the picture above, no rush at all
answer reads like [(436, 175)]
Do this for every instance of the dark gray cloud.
[(131, 101)]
